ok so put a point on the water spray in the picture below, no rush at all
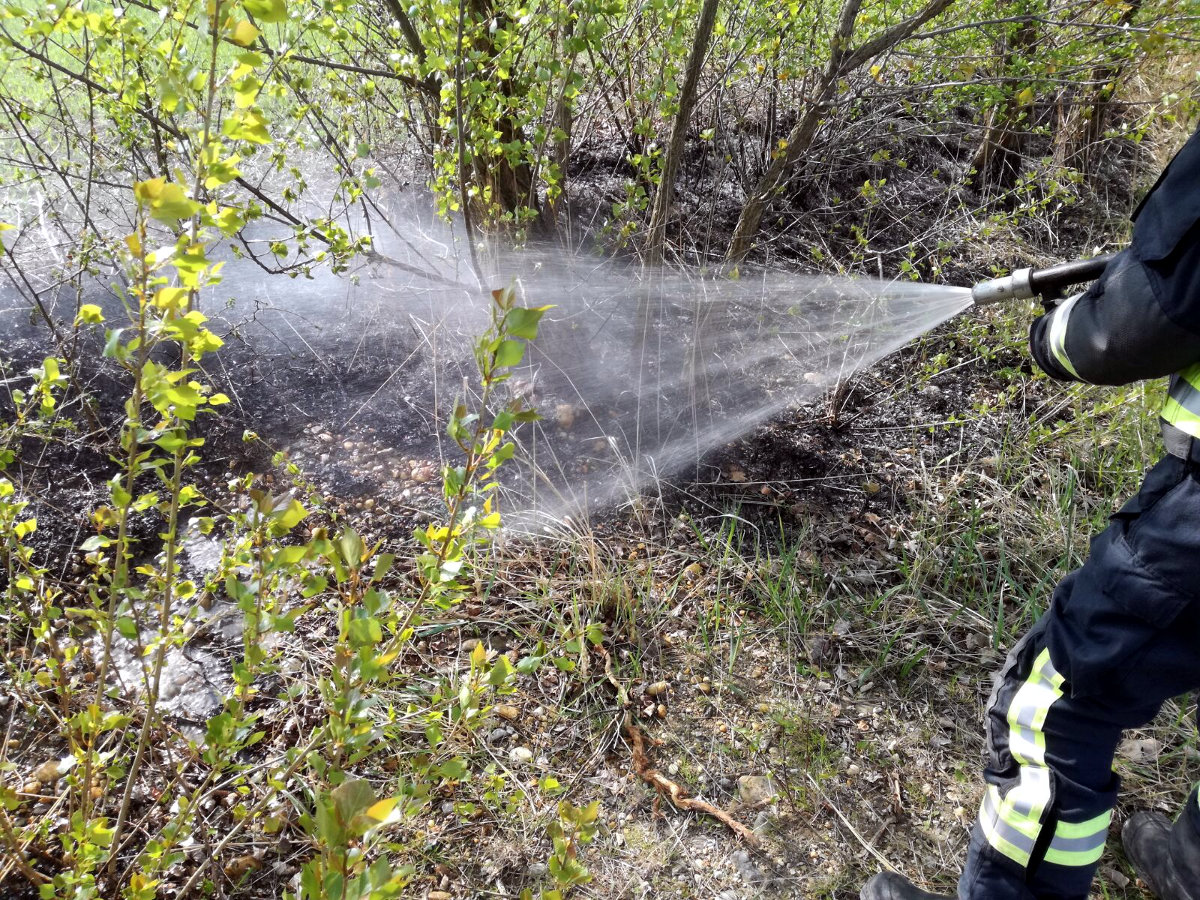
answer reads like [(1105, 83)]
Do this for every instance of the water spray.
[(1049, 283)]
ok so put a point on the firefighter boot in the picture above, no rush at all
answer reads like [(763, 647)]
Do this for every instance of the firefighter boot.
[(1166, 856), (890, 886)]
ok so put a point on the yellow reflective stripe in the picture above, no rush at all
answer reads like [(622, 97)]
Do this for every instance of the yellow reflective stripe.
[(1058, 334), (1012, 823), (1004, 847), (1011, 817), (995, 830), (1182, 407), (1084, 829), (1183, 419), (1074, 857)]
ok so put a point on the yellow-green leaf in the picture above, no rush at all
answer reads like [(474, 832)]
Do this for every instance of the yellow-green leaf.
[(385, 811), (243, 34), (245, 92), (172, 298), (89, 314), (167, 201), (267, 10), (247, 125)]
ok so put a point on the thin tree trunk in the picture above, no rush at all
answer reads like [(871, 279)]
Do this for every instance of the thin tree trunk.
[(512, 185), (842, 62), (997, 159), (1084, 123), (564, 120), (665, 194)]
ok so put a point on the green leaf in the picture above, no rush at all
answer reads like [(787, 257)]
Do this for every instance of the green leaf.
[(247, 125), (509, 353), (267, 10), (351, 547), (523, 322), (351, 798), (501, 672), (365, 632), (292, 516), (453, 769)]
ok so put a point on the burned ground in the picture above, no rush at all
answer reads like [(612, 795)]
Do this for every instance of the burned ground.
[(805, 627)]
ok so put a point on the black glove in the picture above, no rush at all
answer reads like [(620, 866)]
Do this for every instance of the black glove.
[(1039, 344)]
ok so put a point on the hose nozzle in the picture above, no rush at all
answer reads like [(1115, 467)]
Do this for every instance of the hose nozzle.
[(1048, 283), (1017, 286)]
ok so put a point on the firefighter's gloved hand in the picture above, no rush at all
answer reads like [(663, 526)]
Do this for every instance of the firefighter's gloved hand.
[(1048, 332)]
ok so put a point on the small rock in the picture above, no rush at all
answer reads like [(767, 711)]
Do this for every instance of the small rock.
[(497, 735), (564, 415), (511, 713), (763, 820), (1114, 877), (238, 867), (1140, 750), (746, 868), (438, 895), (325, 437), (53, 769), (756, 789), (520, 755), (659, 687)]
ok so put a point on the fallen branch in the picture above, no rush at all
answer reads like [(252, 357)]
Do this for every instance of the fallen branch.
[(665, 786), (673, 792)]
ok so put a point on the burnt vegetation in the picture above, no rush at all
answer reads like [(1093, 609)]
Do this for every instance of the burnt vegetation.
[(275, 617)]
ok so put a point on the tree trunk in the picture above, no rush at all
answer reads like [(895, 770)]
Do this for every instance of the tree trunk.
[(687, 102), (563, 121), (1084, 123), (842, 62), (997, 159)]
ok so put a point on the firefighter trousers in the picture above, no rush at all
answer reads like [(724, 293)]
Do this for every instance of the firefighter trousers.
[(1121, 637)]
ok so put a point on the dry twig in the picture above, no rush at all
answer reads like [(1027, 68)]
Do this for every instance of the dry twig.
[(665, 786)]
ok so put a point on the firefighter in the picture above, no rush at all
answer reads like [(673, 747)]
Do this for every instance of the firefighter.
[(1122, 634)]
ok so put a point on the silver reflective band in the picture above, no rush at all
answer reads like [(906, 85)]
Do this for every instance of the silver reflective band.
[(1058, 333)]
